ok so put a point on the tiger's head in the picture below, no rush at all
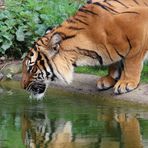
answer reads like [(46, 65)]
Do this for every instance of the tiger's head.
[(45, 63)]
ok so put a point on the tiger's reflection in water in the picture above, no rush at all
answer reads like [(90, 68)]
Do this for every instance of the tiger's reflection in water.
[(38, 131)]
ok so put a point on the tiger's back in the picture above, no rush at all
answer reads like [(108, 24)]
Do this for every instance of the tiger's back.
[(121, 5)]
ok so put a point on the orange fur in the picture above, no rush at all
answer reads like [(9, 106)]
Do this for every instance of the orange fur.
[(103, 34)]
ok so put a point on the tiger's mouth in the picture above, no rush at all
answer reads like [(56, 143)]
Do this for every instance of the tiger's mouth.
[(37, 90)]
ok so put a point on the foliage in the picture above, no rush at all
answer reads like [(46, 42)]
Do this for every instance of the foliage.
[(145, 73), (103, 71), (23, 21)]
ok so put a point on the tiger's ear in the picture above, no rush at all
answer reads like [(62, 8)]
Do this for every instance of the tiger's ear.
[(56, 39), (54, 42)]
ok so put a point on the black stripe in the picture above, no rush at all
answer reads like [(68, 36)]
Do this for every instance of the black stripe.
[(39, 57), (41, 39), (87, 11), (136, 2), (51, 68), (121, 3), (105, 7), (145, 4), (40, 71), (43, 65), (71, 21), (30, 68), (91, 54), (69, 37), (81, 21), (46, 37), (129, 42), (75, 28), (84, 16), (34, 46), (108, 3), (119, 53), (108, 53), (131, 12)]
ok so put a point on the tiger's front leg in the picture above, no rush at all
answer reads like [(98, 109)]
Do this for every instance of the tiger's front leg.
[(130, 75), (110, 80)]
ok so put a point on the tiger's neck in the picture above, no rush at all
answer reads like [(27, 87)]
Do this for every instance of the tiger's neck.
[(64, 63), (63, 67)]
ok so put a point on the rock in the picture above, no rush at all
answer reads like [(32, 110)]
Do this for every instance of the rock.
[(2, 58), (9, 70), (9, 76)]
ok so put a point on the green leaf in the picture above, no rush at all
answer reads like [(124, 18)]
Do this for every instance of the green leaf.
[(1, 40), (20, 36), (38, 8), (28, 33), (7, 36), (40, 29), (26, 20), (6, 45)]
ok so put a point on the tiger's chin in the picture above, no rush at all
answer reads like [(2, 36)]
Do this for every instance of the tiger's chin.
[(37, 97)]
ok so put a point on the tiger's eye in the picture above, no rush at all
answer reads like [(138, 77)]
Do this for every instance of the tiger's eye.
[(54, 48), (31, 54)]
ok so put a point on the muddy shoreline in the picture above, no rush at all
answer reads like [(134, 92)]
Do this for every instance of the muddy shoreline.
[(85, 83)]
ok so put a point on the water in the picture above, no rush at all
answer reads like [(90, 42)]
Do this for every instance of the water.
[(69, 120)]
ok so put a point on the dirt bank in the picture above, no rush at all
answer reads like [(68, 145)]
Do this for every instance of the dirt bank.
[(84, 83)]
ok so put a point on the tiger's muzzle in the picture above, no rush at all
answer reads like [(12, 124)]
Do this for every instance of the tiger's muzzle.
[(37, 89)]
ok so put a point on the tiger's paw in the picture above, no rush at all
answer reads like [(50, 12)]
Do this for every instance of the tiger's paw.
[(105, 83), (124, 86)]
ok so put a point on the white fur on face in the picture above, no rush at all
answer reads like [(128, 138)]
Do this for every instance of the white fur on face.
[(37, 97), (63, 73)]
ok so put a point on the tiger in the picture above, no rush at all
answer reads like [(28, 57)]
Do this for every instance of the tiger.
[(99, 33)]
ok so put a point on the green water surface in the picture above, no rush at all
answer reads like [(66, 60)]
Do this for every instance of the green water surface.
[(69, 120)]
